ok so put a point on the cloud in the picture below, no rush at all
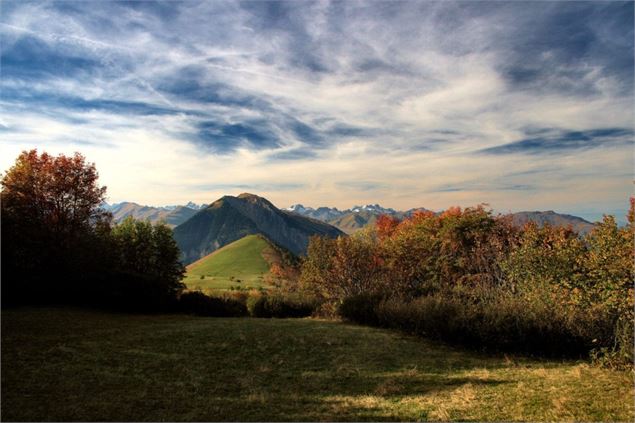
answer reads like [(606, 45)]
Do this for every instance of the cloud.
[(561, 142), (404, 103)]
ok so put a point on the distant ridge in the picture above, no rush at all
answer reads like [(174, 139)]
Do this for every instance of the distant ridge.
[(552, 218), (353, 219), (231, 218), (358, 217), (171, 215)]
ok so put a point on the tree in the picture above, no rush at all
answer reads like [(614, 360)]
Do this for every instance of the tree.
[(50, 206), (338, 268), (148, 262)]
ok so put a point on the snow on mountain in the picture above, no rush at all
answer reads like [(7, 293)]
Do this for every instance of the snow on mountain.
[(299, 208)]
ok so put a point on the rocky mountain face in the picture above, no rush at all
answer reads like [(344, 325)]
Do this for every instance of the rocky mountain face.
[(231, 218)]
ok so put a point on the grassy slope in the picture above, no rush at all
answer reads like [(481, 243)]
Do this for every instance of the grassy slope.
[(77, 365), (245, 260)]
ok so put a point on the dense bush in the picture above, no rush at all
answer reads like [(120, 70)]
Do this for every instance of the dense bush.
[(199, 304), (506, 324), (361, 308), (260, 305), (469, 277)]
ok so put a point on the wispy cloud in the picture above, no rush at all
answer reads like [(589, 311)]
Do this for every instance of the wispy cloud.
[(563, 142), (405, 103)]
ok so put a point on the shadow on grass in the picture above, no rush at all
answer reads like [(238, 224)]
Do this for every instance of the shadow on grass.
[(60, 364)]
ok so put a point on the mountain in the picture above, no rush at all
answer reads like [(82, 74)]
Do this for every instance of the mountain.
[(358, 217), (349, 220), (172, 215), (231, 218), (321, 213), (375, 209), (353, 221), (242, 263), (554, 219)]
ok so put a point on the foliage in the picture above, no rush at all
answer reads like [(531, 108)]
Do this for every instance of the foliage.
[(197, 303), (266, 305), (58, 245), (50, 224), (149, 250), (361, 308), (338, 268), (471, 277)]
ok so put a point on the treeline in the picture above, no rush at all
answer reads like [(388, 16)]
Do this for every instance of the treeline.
[(60, 247), (471, 277)]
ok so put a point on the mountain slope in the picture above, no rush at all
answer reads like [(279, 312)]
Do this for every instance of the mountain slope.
[(231, 218), (554, 219), (173, 215), (354, 221), (244, 263)]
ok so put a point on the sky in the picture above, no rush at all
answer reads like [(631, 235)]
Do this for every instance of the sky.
[(521, 105)]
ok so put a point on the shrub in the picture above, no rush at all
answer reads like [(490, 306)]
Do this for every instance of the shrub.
[(279, 306), (507, 323), (361, 308), (199, 304), (469, 277)]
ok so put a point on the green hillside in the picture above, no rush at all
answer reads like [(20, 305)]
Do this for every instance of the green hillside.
[(243, 263)]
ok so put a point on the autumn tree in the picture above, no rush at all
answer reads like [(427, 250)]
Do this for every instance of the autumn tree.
[(338, 268), (50, 206), (58, 245)]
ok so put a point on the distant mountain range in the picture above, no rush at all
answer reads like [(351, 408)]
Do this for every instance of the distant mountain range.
[(171, 215), (202, 229), (231, 218), (554, 219), (353, 219), (357, 217)]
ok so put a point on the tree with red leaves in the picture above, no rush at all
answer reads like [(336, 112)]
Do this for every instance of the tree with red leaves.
[(50, 210)]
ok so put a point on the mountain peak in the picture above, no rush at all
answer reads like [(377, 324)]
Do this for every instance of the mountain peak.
[(247, 195), (231, 218)]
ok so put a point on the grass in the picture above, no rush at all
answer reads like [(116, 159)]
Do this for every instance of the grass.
[(60, 364), (243, 263)]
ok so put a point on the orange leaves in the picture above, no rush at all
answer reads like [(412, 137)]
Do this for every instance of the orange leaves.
[(54, 191), (386, 226)]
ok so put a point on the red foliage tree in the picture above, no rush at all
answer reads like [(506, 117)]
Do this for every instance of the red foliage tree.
[(50, 208)]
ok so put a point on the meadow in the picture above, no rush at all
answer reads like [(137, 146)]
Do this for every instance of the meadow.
[(242, 264), (71, 364)]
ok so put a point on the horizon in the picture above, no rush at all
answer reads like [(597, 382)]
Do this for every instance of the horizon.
[(523, 106), (619, 219)]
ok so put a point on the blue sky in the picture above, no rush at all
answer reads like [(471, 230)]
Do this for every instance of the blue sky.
[(521, 105)]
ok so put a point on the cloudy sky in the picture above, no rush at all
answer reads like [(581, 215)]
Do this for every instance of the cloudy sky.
[(520, 105)]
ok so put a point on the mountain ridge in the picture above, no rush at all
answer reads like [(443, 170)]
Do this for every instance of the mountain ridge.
[(172, 215), (358, 217)]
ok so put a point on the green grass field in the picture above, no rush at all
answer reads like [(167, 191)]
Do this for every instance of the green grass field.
[(60, 364), (243, 263)]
